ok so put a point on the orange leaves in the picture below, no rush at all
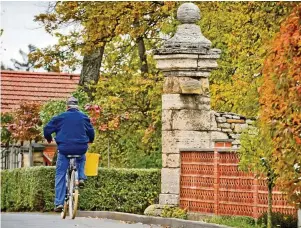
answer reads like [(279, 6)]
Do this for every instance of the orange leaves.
[(281, 102), (298, 140)]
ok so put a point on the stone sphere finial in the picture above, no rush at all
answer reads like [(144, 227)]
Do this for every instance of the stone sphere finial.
[(188, 13)]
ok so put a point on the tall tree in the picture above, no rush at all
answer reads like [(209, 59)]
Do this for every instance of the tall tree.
[(89, 75), (281, 103), (96, 23)]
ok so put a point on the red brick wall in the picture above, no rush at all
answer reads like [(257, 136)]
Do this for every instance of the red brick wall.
[(212, 183)]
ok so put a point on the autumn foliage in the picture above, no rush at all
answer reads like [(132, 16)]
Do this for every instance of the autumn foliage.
[(26, 123), (103, 121), (280, 98)]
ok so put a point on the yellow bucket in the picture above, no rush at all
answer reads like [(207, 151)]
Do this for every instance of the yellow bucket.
[(91, 166)]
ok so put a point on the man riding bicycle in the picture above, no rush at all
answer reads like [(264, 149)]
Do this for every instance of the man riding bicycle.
[(73, 133)]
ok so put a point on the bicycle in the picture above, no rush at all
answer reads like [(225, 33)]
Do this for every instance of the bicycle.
[(71, 198)]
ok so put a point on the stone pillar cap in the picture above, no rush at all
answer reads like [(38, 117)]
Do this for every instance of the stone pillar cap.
[(188, 13), (188, 38)]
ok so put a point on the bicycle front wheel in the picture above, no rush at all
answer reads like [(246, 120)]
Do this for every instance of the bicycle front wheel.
[(73, 196)]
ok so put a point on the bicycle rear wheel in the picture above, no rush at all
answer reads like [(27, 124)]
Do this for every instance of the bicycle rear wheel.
[(73, 196), (65, 209)]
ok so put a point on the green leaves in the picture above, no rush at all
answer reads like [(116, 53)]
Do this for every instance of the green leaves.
[(243, 31), (6, 120), (32, 189)]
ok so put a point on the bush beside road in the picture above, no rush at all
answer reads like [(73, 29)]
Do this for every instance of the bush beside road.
[(123, 190)]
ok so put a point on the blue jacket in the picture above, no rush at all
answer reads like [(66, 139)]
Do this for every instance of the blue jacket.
[(73, 132)]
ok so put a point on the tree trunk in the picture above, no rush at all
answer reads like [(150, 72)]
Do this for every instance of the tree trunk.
[(270, 203), (90, 70), (142, 55), (299, 218)]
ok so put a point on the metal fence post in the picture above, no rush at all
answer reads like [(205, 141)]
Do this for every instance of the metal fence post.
[(30, 155)]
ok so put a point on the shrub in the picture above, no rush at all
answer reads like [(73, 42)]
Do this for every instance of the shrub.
[(279, 220), (124, 190), (232, 221), (174, 212)]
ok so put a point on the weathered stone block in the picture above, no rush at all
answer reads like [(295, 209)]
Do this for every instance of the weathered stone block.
[(166, 63), (205, 86), (170, 180), (224, 125), (185, 85), (177, 101), (172, 141), (171, 160), (227, 130), (236, 117), (236, 142), (191, 86), (167, 119), (194, 74), (171, 85), (250, 122), (218, 135), (234, 136), (187, 120), (239, 128), (206, 64), (228, 116), (213, 123), (169, 199), (221, 119), (241, 121)]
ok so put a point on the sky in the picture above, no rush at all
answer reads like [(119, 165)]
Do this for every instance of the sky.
[(20, 29)]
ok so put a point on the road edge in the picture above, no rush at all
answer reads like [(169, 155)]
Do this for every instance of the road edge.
[(171, 222)]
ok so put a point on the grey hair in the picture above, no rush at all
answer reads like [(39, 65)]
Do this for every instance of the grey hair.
[(72, 106)]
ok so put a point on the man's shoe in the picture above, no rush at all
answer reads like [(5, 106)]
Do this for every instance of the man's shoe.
[(59, 208), (81, 183)]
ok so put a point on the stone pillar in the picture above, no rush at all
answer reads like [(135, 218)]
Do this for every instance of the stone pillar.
[(186, 61)]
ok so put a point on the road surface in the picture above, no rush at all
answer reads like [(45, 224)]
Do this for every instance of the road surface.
[(49, 220)]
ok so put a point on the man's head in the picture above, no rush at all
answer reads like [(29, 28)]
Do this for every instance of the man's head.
[(72, 102)]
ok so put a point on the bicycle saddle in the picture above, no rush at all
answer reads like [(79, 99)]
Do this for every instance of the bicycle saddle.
[(73, 156)]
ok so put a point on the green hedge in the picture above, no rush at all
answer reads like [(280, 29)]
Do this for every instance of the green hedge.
[(124, 190)]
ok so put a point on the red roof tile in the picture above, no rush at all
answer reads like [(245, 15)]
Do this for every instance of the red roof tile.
[(19, 86)]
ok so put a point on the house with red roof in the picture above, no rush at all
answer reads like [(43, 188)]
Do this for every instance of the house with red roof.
[(18, 87)]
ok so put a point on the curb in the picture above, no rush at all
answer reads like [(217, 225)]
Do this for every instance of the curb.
[(170, 222)]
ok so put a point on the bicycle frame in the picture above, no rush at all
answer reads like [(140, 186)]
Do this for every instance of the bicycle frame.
[(71, 198)]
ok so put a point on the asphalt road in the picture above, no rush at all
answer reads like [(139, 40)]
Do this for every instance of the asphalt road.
[(45, 220)]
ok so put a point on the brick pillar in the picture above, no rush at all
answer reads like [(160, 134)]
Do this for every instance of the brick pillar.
[(255, 198), (216, 181), (218, 144), (186, 61)]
